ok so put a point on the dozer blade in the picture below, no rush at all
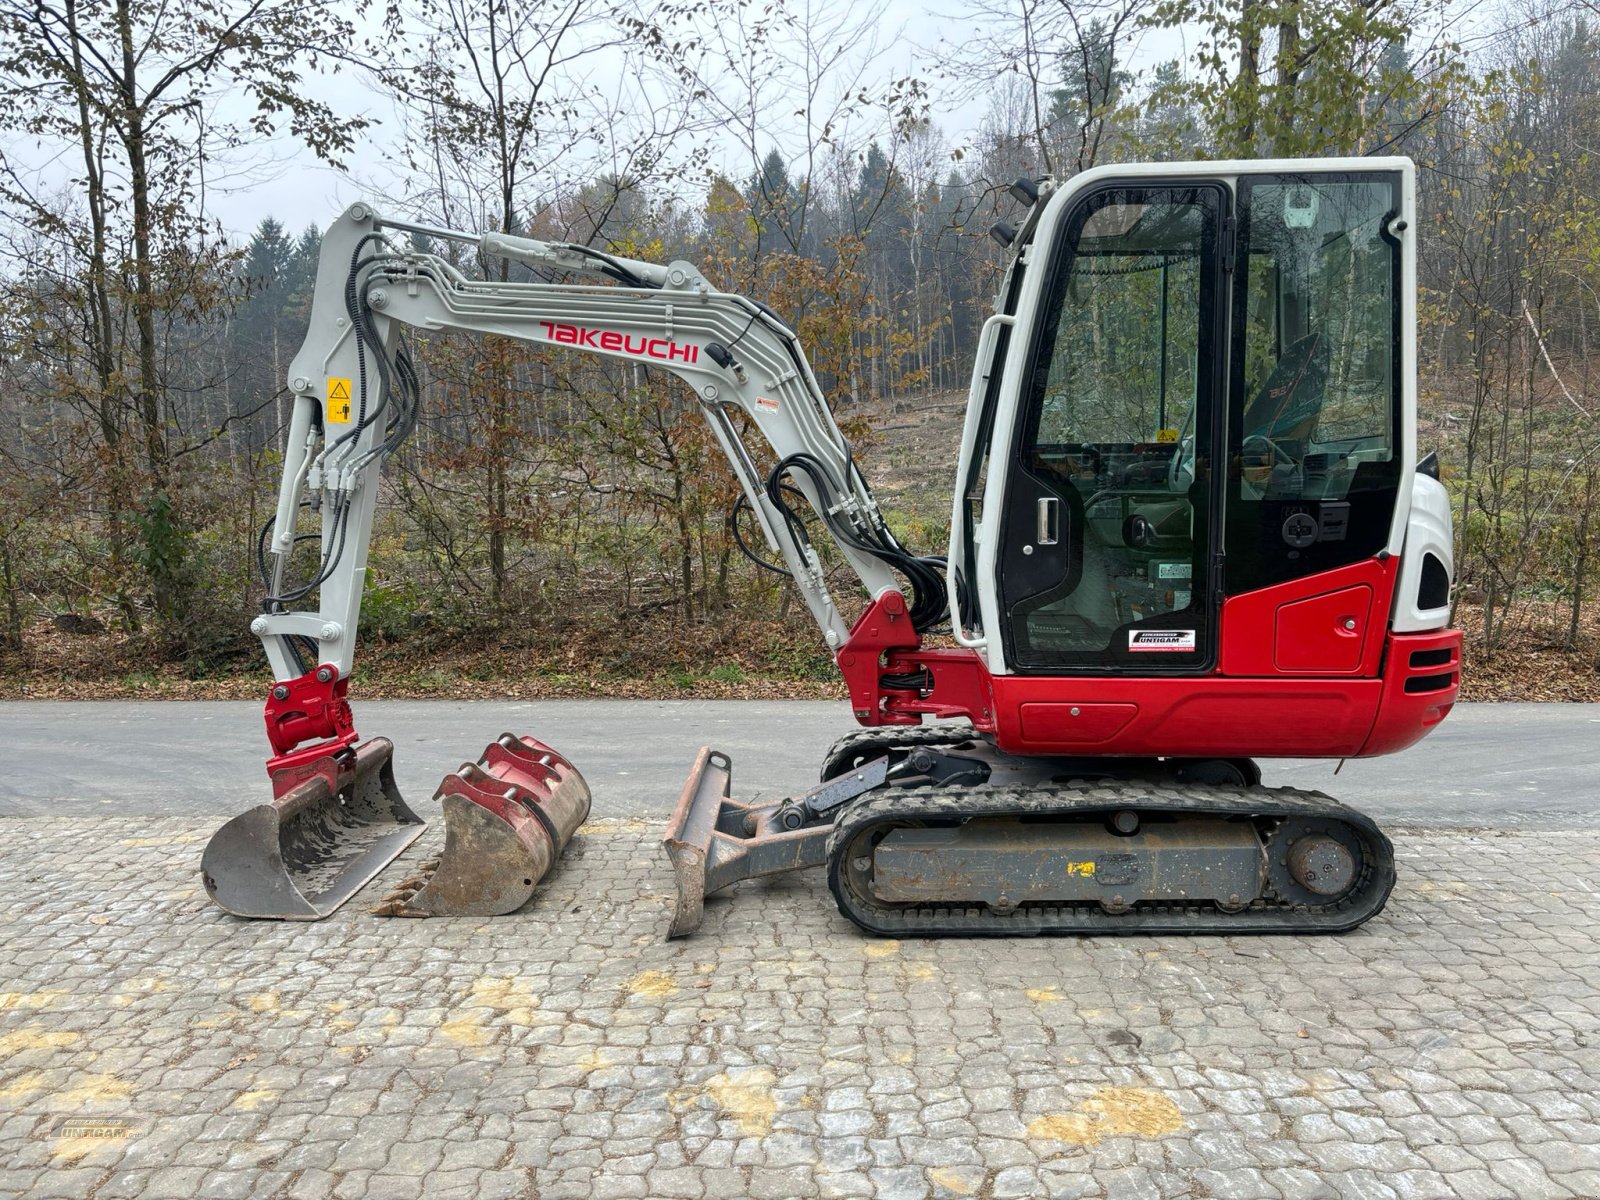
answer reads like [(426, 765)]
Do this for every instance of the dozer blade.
[(713, 841), (333, 824), (507, 818)]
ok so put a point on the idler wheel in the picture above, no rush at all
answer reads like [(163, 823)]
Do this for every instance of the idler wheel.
[(1321, 865)]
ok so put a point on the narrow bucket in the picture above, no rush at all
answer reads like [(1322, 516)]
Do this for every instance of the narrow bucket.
[(507, 818), (332, 825)]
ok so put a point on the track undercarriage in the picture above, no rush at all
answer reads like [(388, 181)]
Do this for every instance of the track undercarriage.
[(932, 831)]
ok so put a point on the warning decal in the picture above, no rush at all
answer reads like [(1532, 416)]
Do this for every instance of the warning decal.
[(338, 401), (1167, 640)]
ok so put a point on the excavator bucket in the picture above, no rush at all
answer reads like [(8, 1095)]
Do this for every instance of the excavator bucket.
[(507, 818), (333, 823)]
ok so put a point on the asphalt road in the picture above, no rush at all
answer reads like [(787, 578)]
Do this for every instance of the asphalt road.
[(1490, 765)]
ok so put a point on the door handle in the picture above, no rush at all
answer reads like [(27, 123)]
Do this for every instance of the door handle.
[(1048, 532)]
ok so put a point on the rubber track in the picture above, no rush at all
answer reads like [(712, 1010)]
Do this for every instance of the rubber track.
[(892, 737), (1263, 915)]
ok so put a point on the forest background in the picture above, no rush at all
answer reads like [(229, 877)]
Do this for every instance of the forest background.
[(558, 526)]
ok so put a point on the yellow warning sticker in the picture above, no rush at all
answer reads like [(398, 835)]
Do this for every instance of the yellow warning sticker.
[(1085, 869), (338, 401), (1166, 435)]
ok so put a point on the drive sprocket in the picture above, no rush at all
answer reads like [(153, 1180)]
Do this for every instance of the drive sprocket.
[(1314, 862)]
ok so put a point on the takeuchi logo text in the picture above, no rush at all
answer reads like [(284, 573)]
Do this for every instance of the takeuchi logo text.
[(664, 349)]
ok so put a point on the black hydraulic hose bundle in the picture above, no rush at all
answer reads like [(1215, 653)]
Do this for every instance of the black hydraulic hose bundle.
[(739, 505), (400, 392), (929, 605)]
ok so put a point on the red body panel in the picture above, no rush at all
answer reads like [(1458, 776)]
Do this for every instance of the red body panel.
[(1324, 635), (1196, 717), (1082, 724), (1298, 627), (1421, 677), (1294, 680)]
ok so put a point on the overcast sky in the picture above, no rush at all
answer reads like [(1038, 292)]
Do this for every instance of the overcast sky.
[(278, 179), (899, 38)]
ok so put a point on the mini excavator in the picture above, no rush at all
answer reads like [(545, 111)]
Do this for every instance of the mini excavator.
[(1189, 530)]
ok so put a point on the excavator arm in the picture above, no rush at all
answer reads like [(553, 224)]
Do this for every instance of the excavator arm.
[(336, 817), (355, 401)]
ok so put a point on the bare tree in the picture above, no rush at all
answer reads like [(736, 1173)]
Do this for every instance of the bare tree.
[(134, 89), (508, 120), (1055, 72)]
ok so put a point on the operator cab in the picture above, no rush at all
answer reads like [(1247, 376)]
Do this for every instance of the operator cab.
[(1212, 401)]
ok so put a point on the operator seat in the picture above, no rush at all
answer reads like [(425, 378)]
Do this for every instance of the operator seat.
[(1290, 401)]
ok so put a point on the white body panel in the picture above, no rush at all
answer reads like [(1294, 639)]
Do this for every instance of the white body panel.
[(1428, 531)]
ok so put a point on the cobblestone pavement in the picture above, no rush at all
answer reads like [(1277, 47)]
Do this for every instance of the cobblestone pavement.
[(151, 1047)]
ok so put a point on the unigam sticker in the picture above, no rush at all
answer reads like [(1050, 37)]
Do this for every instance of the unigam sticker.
[(1163, 641)]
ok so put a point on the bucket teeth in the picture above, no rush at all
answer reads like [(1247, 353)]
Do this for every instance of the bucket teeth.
[(507, 818), (333, 824)]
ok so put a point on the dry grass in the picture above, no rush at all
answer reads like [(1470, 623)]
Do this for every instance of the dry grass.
[(1532, 662)]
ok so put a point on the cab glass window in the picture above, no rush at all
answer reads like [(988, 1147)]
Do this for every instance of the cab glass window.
[(1314, 433), (1107, 529)]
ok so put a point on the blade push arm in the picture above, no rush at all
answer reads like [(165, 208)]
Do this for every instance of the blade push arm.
[(356, 398)]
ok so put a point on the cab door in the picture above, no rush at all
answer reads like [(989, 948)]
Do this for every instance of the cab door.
[(1107, 558)]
